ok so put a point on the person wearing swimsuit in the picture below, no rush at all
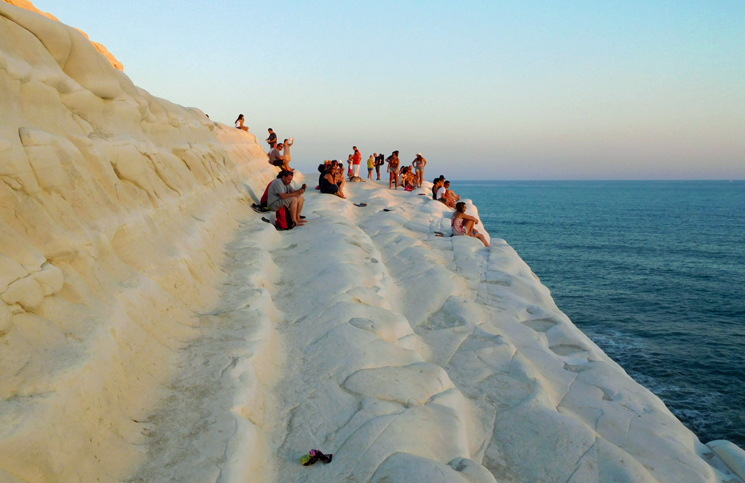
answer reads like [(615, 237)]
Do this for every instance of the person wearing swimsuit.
[(462, 224)]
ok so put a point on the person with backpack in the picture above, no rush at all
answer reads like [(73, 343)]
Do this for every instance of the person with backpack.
[(379, 161), (280, 195)]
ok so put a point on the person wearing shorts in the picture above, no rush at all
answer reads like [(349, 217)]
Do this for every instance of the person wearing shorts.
[(419, 164)]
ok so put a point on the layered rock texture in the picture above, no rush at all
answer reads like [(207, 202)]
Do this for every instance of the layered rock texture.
[(154, 328)]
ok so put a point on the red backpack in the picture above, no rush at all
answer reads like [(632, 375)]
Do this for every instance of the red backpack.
[(284, 220), (265, 196)]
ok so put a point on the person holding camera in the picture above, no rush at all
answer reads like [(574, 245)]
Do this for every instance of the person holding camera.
[(281, 194)]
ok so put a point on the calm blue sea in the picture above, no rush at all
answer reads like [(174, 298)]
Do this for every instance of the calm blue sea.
[(652, 271)]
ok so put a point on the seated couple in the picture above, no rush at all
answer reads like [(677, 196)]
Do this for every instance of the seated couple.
[(442, 193), (462, 224), (331, 179), (281, 194)]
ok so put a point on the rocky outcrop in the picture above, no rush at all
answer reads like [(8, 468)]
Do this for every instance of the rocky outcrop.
[(25, 4)]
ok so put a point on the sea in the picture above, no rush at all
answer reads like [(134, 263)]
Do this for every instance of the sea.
[(652, 271)]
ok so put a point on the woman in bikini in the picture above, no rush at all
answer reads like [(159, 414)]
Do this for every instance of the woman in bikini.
[(462, 224)]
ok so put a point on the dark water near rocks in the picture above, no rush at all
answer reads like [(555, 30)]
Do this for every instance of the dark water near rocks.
[(652, 271)]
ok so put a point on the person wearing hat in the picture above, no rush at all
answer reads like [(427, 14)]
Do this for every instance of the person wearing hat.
[(419, 164)]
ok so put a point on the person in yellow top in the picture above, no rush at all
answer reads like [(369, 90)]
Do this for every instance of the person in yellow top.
[(370, 166)]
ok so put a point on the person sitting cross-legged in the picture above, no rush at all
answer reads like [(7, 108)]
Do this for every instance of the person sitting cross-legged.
[(462, 224), (281, 194)]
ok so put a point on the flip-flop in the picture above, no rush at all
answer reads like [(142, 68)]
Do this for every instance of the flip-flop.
[(361, 205), (439, 233), (302, 217), (386, 209), (266, 220)]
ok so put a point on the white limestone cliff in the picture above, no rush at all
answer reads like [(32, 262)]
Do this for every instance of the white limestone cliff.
[(153, 328)]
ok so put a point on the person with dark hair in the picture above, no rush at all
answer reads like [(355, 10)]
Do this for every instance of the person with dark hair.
[(419, 164), (327, 182), (462, 224), (356, 160), (445, 195), (272, 139), (436, 185), (393, 163), (281, 194), (380, 162), (276, 158), (239, 123)]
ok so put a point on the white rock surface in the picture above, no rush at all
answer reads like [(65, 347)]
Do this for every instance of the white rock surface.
[(153, 328)]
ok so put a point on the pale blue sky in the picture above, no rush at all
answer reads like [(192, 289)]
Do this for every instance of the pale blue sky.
[(485, 89)]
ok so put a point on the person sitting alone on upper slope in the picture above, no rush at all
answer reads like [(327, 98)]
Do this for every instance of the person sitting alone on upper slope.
[(239, 123), (281, 194), (462, 224)]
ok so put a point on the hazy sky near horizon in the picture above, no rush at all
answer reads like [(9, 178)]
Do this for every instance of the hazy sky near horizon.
[(484, 89)]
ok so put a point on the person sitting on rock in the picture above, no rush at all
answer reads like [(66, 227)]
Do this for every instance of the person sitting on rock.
[(462, 224), (239, 123), (276, 158), (281, 194), (445, 195), (436, 185), (327, 182)]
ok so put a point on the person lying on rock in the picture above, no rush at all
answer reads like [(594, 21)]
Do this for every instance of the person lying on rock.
[(281, 194), (462, 224)]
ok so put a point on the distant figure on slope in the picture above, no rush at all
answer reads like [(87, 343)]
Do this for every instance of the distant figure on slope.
[(288, 157), (281, 194), (462, 224), (272, 139), (419, 164), (370, 166), (239, 123), (393, 163), (356, 160)]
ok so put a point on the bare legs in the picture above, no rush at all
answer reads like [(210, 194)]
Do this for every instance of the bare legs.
[(394, 179), (468, 225), (296, 208)]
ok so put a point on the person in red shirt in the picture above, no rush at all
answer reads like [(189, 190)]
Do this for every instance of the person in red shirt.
[(356, 160)]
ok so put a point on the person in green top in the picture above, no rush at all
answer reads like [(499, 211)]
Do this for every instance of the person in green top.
[(370, 166)]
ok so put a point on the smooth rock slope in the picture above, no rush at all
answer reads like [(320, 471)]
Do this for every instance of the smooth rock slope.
[(153, 328)]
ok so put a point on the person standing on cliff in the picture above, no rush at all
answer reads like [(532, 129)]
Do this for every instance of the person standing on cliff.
[(287, 156), (272, 139), (356, 160), (379, 161), (393, 163), (419, 164)]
